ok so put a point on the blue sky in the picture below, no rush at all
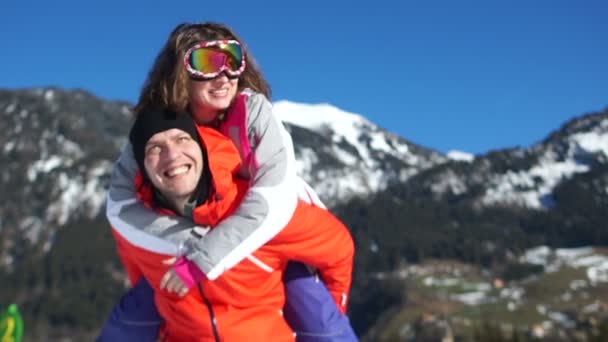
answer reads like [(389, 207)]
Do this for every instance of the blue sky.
[(466, 75)]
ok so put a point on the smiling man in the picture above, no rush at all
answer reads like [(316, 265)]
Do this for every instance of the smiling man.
[(174, 164), (168, 147), (192, 171)]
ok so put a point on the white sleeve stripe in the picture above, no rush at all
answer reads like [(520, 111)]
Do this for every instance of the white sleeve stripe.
[(113, 207), (307, 194), (260, 264), (132, 234), (267, 230)]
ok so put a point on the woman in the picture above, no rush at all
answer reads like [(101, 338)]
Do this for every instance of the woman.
[(206, 70)]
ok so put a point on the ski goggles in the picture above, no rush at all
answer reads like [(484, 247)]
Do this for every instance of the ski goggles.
[(210, 59)]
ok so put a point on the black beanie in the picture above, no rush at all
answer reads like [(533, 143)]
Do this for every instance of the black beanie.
[(149, 123)]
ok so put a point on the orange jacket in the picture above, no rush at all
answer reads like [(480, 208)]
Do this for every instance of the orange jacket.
[(246, 301)]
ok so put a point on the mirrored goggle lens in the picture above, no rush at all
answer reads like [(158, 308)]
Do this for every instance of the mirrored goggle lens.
[(213, 59), (233, 50)]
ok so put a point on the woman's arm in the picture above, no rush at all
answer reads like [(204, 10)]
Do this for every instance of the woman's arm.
[(265, 209), (270, 201)]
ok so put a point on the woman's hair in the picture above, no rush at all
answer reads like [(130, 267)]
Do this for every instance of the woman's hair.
[(167, 82)]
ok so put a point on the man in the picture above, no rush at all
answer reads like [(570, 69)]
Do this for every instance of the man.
[(191, 171)]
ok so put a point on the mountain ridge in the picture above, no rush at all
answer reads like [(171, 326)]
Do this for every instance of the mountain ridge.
[(403, 202)]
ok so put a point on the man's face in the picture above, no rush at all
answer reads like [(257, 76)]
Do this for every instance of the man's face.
[(174, 163)]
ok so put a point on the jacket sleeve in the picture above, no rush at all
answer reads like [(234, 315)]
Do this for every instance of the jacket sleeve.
[(317, 238), (268, 204), (138, 224)]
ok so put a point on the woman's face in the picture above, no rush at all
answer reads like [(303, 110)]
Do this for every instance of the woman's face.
[(210, 97)]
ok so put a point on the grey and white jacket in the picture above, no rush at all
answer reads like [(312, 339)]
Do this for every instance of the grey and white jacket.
[(269, 163)]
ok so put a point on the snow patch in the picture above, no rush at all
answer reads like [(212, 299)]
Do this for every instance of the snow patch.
[(461, 156)]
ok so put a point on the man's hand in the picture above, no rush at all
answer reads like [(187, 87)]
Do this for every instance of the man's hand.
[(171, 282)]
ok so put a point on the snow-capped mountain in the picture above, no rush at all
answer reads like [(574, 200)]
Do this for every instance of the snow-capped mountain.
[(57, 152), (344, 155), (58, 149), (402, 202), (528, 176)]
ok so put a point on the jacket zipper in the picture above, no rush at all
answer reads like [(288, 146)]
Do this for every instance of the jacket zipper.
[(216, 335)]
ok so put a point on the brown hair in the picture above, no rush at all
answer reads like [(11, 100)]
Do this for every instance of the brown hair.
[(167, 82)]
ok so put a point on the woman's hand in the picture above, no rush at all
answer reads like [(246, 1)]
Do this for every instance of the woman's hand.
[(171, 282)]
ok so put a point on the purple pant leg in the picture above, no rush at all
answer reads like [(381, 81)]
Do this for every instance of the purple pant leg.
[(310, 309), (134, 318)]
